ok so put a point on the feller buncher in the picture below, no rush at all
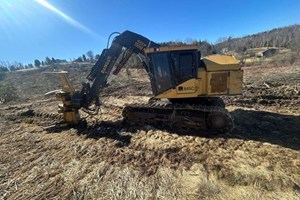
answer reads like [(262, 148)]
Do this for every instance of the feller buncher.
[(186, 87)]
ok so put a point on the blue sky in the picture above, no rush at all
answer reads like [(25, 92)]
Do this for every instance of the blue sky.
[(34, 29)]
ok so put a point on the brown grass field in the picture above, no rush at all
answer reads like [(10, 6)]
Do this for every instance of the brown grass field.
[(107, 159)]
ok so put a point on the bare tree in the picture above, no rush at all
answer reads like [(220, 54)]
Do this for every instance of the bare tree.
[(90, 55)]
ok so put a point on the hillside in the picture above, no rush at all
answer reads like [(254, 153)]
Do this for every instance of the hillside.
[(287, 37), (107, 159)]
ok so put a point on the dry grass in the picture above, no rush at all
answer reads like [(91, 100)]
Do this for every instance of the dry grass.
[(40, 165), (259, 159)]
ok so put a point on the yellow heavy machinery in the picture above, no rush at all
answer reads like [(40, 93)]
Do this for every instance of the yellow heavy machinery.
[(185, 86)]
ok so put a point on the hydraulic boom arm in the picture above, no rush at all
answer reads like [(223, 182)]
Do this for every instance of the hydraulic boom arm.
[(111, 61)]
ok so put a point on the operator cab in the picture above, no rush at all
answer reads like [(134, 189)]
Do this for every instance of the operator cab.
[(171, 66)]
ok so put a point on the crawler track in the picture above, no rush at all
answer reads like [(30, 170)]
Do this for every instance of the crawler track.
[(212, 119), (192, 118)]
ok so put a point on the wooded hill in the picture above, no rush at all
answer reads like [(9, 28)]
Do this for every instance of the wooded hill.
[(287, 37)]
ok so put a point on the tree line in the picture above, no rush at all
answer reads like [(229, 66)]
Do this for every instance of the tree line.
[(6, 66), (287, 37)]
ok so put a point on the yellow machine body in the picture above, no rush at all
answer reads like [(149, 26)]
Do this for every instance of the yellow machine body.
[(218, 75)]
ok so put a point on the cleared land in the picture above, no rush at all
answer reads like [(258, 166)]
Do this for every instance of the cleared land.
[(106, 159)]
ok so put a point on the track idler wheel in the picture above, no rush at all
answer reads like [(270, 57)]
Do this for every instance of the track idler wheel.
[(220, 122)]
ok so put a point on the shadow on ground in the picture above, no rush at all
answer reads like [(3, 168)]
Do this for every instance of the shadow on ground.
[(115, 130), (283, 130)]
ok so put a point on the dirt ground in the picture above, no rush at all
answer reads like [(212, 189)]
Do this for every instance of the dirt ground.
[(107, 159)]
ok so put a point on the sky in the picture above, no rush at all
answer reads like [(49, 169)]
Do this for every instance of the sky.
[(65, 29)]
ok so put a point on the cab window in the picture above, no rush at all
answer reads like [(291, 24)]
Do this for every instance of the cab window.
[(161, 72), (184, 66)]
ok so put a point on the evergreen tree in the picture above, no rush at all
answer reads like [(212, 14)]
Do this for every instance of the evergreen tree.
[(48, 61), (83, 58), (37, 63)]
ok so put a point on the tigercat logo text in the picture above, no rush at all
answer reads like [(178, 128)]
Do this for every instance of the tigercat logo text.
[(106, 64), (188, 88)]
